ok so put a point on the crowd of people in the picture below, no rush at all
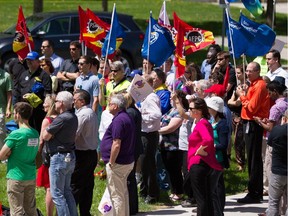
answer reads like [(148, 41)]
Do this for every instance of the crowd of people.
[(76, 112)]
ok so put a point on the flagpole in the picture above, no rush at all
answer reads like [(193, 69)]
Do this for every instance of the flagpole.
[(164, 5), (109, 38), (149, 37), (231, 39)]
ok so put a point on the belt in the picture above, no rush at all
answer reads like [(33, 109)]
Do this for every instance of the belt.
[(58, 152)]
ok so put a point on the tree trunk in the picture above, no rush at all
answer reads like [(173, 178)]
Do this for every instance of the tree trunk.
[(269, 13), (38, 6), (105, 5)]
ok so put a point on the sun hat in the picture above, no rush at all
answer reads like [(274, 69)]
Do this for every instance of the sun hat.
[(216, 103)]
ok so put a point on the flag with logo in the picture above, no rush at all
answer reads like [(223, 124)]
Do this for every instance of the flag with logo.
[(238, 37), (139, 88), (23, 41), (158, 44), (264, 36), (93, 31), (114, 38)]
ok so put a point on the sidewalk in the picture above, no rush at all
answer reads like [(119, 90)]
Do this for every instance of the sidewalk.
[(232, 208)]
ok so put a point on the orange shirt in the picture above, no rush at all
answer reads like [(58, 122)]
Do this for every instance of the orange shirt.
[(256, 102)]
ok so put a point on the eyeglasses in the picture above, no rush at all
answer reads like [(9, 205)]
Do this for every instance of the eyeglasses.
[(73, 49), (81, 63), (45, 46), (220, 59)]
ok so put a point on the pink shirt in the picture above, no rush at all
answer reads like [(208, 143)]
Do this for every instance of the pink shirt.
[(202, 135)]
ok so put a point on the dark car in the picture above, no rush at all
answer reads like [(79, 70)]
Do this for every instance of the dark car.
[(63, 27)]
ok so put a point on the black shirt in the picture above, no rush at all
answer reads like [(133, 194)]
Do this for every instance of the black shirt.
[(278, 141)]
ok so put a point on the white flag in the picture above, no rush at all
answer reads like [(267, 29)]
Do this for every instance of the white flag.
[(163, 16)]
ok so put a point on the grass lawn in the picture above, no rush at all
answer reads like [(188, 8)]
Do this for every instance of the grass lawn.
[(235, 182)]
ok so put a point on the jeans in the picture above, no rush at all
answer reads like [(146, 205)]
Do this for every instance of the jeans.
[(277, 186), (60, 171)]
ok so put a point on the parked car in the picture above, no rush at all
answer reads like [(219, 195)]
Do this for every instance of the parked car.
[(63, 27)]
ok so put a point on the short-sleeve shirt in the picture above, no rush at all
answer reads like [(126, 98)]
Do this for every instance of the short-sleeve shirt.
[(24, 143), (5, 86), (122, 127), (63, 128), (89, 83)]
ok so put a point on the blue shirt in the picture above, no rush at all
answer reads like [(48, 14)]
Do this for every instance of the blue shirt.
[(122, 127), (89, 83)]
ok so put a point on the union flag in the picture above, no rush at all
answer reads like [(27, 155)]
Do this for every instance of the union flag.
[(92, 30), (23, 41)]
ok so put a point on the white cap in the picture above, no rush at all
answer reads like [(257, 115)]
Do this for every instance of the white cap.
[(216, 103)]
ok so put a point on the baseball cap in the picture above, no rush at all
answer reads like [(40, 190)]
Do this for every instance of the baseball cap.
[(32, 55), (280, 80), (215, 103), (217, 89), (134, 72)]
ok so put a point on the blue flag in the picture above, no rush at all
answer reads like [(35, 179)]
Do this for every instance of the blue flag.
[(253, 7), (161, 45), (264, 36), (239, 36), (116, 35)]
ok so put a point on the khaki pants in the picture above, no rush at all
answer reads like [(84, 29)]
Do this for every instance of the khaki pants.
[(21, 197), (117, 186)]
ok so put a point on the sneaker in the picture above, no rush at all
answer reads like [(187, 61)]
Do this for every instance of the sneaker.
[(188, 203)]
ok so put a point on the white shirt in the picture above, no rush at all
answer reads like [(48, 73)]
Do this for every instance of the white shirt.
[(278, 72), (170, 76), (106, 119), (151, 113)]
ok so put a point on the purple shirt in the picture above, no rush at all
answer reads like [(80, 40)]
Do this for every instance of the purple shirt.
[(277, 110), (122, 127)]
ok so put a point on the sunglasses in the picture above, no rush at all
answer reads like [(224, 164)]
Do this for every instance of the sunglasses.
[(43, 65), (220, 59), (73, 49), (45, 46), (114, 71), (81, 63)]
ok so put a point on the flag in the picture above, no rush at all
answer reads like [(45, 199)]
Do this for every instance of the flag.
[(253, 6), (195, 38), (264, 36), (180, 60), (23, 38), (114, 37), (160, 46), (239, 36), (93, 31), (163, 18), (83, 20)]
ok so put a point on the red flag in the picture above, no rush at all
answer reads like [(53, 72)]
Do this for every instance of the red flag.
[(23, 38), (95, 32), (195, 38), (83, 20), (180, 61)]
